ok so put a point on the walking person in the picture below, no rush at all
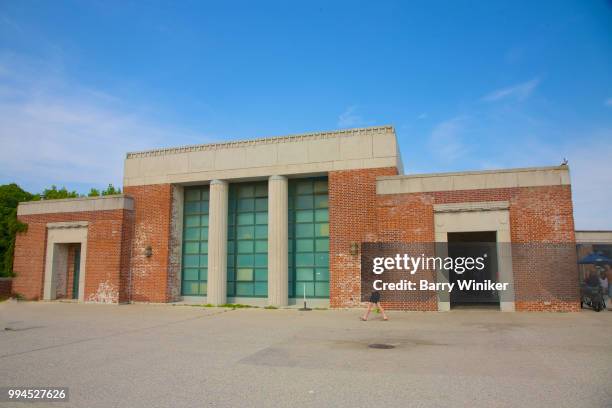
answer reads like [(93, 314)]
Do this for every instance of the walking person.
[(374, 301)]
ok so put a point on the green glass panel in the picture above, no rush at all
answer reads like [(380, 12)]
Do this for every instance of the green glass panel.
[(231, 288), (244, 289), (261, 288), (304, 230), (203, 288), (321, 289), (245, 232), (203, 247), (304, 245), (204, 274), (192, 207), (192, 234), (304, 187), (246, 219), (204, 220), (204, 234), (192, 221), (321, 201), (299, 289), (322, 274), (190, 288), (191, 261), (230, 247), (261, 218), (192, 195), (245, 247), (304, 274), (261, 247), (245, 260), (303, 216), (303, 202), (204, 260), (205, 194), (322, 259), (320, 186), (261, 190), (246, 191), (322, 245), (192, 248), (231, 275), (306, 259), (261, 231), (230, 219), (246, 204), (244, 274), (261, 204), (322, 230), (261, 260), (261, 274), (204, 207), (231, 232), (190, 274), (322, 215)]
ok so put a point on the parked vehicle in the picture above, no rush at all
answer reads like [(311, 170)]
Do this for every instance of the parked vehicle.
[(592, 296)]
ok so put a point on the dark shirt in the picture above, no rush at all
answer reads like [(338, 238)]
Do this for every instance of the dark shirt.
[(592, 280)]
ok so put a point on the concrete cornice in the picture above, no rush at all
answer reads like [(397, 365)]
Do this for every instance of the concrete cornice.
[(69, 224), (260, 141), (594, 237), (474, 180), (472, 206), (104, 203), (309, 154)]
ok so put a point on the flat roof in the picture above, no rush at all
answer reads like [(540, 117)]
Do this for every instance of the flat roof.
[(299, 155), (78, 204), (473, 180)]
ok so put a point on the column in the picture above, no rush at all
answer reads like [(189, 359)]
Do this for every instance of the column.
[(217, 243), (278, 278)]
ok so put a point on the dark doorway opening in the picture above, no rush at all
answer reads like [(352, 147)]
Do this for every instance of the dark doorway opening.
[(474, 244), (76, 271)]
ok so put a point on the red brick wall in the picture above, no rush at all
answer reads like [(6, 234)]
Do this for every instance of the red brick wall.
[(408, 218), (352, 218), (545, 278), (152, 223), (105, 258)]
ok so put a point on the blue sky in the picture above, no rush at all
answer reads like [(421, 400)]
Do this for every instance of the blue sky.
[(467, 85)]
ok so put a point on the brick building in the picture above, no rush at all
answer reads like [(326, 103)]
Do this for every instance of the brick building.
[(267, 221)]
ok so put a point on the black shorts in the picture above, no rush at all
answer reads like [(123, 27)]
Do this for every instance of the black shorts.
[(375, 297)]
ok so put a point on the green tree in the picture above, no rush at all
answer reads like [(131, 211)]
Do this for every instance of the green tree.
[(94, 192), (54, 193), (10, 196), (111, 190)]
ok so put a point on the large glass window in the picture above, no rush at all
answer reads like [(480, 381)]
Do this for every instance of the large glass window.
[(247, 247), (308, 238), (195, 242)]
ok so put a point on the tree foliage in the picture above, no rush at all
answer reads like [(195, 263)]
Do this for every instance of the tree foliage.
[(10, 196)]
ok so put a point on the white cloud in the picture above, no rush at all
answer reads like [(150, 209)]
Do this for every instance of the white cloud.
[(590, 166), (518, 92), (349, 118), (55, 131), (446, 141)]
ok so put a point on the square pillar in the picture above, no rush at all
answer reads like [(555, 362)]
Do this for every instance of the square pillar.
[(217, 243), (278, 258)]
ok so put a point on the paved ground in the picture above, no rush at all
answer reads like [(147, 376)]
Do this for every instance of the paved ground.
[(179, 356)]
